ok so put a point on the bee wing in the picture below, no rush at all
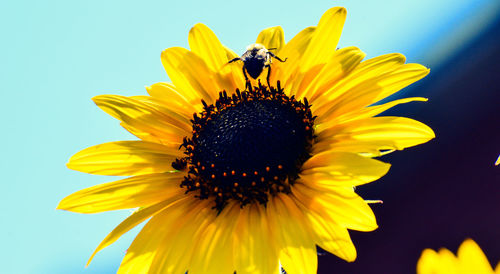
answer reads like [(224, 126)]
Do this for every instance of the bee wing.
[(245, 56)]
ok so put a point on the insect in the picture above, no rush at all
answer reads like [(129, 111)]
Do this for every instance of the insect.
[(255, 59)]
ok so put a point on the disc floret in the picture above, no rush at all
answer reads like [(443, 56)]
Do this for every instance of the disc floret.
[(247, 146)]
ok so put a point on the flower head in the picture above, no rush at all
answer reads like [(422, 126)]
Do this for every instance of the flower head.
[(243, 176), (470, 259)]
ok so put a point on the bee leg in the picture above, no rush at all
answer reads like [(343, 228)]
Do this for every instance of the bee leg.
[(245, 73), (274, 56), (268, 74), (247, 85), (233, 60)]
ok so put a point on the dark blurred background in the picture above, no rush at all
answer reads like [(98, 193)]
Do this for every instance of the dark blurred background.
[(440, 193)]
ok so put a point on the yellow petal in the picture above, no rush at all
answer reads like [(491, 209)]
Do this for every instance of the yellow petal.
[(448, 263), (205, 44), (168, 93), (341, 168), (170, 97), (272, 38), (297, 249), (178, 114), (380, 64), (367, 112), (137, 191), (125, 158), (363, 148), (238, 80), (340, 204), (333, 238), (148, 137), (398, 79), (375, 89), (142, 117), (148, 242), (251, 238), (426, 264), (432, 262), (341, 63), (180, 241), (293, 51), (213, 252), (328, 234), (230, 53), (372, 136), (230, 78), (319, 51), (365, 71), (190, 74), (130, 222), (325, 38), (472, 258)]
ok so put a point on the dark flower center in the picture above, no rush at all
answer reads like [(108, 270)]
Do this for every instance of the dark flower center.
[(247, 146)]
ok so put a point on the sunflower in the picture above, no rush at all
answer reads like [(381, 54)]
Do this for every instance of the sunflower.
[(470, 259), (250, 176)]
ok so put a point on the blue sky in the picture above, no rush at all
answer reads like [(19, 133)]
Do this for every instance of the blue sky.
[(56, 55)]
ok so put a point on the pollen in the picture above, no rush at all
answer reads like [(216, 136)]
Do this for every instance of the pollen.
[(259, 137)]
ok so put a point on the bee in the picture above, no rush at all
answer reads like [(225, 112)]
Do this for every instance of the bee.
[(255, 59)]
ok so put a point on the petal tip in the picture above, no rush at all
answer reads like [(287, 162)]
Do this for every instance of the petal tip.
[(400, 57), (340, 10), (197, 25), (351, 255), (95, 99), (167, 51), (387, 167), (428, 132), (59, 207), (99, 99), (432, 134), (91, 257), (63, 204), (351, 259), (69, 165)]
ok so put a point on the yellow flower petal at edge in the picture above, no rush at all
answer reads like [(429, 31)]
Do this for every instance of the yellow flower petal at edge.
[(251, 177), (272, 38), (189, 73), (172, 99), (132, 221), (136, 113), (177, 247), (149, 242), (325, 39), (470, 259), (251, 237), (293, 50), (132, 192), (125, 158), (205, 44), (327, 232), (297, 252), (370, 136)]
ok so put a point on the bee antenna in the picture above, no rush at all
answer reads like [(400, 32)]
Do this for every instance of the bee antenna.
[(272, 48)]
